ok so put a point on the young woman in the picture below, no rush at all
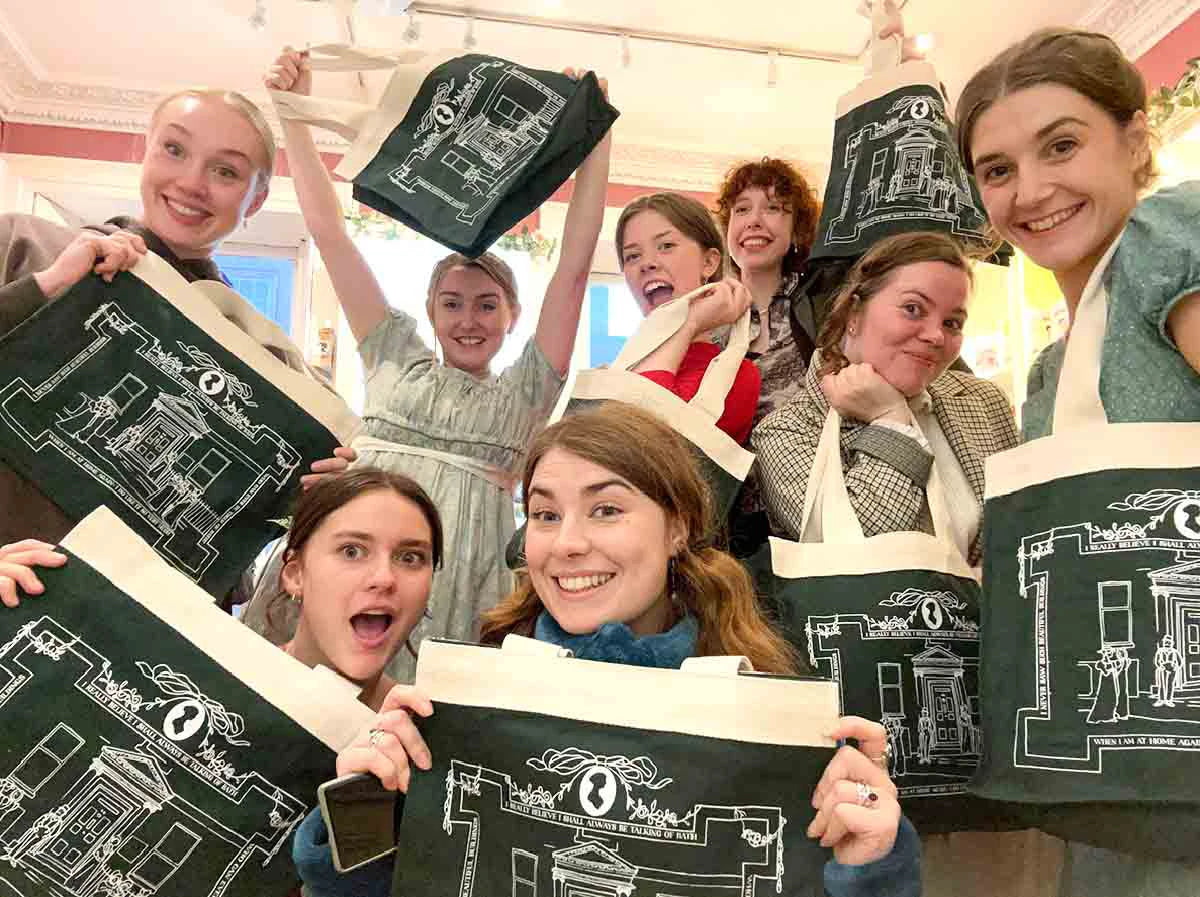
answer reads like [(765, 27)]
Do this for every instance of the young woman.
[(668, 246), (451, 424), (882, 363), (1055, 131), (358, 569), (620, 570), (207, 168)]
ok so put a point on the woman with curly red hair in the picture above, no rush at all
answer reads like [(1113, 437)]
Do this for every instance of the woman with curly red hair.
[(769, 213)]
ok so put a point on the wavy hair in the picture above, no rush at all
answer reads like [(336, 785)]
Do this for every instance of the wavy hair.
[(712, 586), (790, 188)]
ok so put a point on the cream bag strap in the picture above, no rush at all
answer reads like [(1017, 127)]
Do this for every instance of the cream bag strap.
[(1077, 402), (663, 323), (364, 124), (826, 498)]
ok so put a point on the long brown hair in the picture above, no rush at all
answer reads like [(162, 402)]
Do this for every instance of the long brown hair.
[(790, 188), (687, 215), (871, 274), (337, 490), (712, 586), (1087, 62)]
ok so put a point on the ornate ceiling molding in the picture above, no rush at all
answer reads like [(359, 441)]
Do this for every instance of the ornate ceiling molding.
[(27, 97), (1137, 25)]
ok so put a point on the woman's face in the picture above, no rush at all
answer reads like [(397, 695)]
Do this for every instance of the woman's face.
[(912, 329), (201, 175), (760, 230), (1057, 175), (597, 547), (471, 317), (363, 578), (660, 263)]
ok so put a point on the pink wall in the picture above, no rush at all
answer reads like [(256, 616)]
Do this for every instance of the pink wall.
[(1166, 61)]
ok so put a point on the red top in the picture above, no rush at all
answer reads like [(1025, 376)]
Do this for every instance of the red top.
[(743, 395)]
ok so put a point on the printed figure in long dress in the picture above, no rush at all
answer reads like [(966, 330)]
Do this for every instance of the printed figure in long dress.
[(92, 413), (44, 829), (1122, 683), (1168, 663), (898, 762), (1112, 700), (925, 732), (966, 727)]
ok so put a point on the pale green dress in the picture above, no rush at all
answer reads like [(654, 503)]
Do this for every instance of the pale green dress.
[(459, 438)]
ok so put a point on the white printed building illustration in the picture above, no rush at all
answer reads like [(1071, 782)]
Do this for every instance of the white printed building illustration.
[(483, 133), (923, 648), (902, 168), (606, 830), (129, 792), (1139, 688), (169, 436)]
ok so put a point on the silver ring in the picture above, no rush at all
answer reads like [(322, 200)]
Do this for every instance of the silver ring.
[(866, 794), (376, 736), (884, 760)]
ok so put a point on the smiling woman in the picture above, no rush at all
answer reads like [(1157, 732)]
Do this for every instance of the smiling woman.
[(881, 363), (207, 167)]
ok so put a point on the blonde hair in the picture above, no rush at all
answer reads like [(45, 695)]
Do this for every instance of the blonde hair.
[(243, 106), (491, 265), (711, 585)]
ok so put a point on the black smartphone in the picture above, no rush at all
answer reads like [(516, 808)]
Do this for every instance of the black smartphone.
[(362, 818)]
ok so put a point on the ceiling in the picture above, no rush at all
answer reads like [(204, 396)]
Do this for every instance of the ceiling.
[(687, 111)]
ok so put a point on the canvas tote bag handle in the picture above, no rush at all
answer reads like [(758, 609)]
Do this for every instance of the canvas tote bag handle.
[(663, 323), (353, 120), (826, 498), (1077, 401)]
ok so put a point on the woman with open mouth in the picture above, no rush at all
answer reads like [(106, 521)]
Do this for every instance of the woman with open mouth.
[(449, 422), (668, 246), (357, 573), (621, 569)]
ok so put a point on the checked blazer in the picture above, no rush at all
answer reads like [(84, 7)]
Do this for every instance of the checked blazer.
[(886, 471)]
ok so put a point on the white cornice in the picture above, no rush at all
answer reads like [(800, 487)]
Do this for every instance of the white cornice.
[(26, 97), (1137, 25)]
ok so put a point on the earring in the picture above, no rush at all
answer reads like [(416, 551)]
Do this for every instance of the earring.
[(673, 582), (296, 598), (853, 331)]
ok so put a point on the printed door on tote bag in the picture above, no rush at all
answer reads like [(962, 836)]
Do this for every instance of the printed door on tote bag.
[(131, 762), (546, 804), (112, 396)]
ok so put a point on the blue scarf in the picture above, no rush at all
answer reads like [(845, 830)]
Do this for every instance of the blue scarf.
[(616, 643)]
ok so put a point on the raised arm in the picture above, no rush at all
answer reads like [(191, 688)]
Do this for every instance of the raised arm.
[(357, 290), (558, 322)]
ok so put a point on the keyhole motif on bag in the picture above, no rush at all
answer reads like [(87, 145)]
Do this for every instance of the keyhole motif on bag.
[(597, 791), (184, 720), (1187, 519), (211, 383), (931, 613), (443, 114), (920, 109)]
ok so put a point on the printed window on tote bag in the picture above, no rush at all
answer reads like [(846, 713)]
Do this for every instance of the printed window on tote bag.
[(461, 147), (150, 743), (139, 395)]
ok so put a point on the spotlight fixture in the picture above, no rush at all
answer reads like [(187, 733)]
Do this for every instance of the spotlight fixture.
[(772, 68), (625, 55), (258, 18), (469, 41), (924, 42), (412, 33)]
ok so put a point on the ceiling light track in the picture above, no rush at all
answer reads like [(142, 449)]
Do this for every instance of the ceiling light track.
[(663, 37)]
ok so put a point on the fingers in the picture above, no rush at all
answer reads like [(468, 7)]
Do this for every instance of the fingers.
[(871, 736), (25, 545), (852, 764), (14, 577), (392, 744), (861, 834), (343, 457), (117, 252), (344, 451)]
